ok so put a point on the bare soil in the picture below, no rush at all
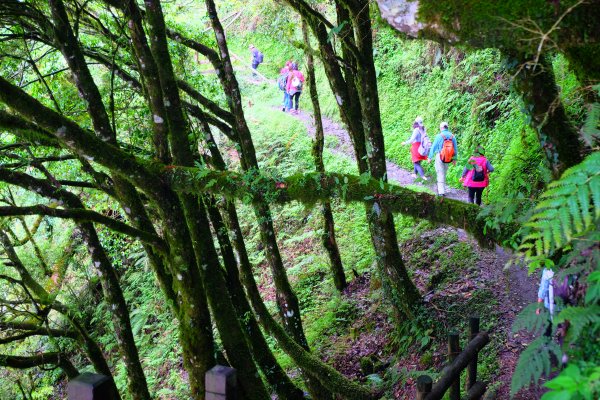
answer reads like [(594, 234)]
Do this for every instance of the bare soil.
[(371, 335)]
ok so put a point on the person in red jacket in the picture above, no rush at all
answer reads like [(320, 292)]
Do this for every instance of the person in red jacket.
[(477, 177), (417, 136), (295, 81)]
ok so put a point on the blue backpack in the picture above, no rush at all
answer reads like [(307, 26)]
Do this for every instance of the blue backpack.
[(259, 57), (282, 81)]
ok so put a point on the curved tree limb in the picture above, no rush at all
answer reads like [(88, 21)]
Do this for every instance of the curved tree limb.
[(313, 187), (80, 214), (58, 359)]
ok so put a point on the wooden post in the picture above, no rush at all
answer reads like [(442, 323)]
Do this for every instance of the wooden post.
[(472, 367), (453, 351), (451, 372), (88, 386), (221, 383), (476, 391), (424, 384)]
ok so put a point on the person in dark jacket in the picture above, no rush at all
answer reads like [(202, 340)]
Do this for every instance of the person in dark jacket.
[(257, 58)]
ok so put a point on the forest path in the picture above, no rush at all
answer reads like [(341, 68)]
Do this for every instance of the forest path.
[(344, 147), (513, 288)]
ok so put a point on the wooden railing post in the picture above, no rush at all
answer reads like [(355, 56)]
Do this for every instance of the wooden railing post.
[(451, 373), (424, 384), (453, 351), (221, 383), (88, 386), (472, 368)]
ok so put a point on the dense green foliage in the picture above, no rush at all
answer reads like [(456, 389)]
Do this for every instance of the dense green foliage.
[(469, 89)]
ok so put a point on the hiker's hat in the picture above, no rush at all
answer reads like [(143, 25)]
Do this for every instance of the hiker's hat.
[(419, 121), (443, 125)]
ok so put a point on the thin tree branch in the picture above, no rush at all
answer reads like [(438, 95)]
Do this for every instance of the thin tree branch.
[(83, 215)]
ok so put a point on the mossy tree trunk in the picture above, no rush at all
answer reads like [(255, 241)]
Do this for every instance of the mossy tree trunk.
[(263, 355), (226, 318), (110, 284), (558, 137), (42, 296), (287, 301), (363, 121), (381, 221), (328, 235)]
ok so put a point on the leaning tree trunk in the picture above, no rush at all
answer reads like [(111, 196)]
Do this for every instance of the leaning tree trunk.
[(226, 319), (558, 137), (405, 295), (328, 235), (287, 301), (364, 124), (112, 291), (263, 355)]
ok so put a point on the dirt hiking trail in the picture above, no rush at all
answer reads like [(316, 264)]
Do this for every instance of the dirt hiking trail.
[(395, 173), (512, 287)]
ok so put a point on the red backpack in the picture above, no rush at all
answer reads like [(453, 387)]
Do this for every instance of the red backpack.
[(447, 152)]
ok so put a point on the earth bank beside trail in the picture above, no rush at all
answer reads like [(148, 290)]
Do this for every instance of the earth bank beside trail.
[(458, 279)]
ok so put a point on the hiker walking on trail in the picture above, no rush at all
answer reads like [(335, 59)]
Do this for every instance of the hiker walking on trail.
[(295, 81), (476, 175), (282, 84), (419, 148), (444, 151), (257, 58)]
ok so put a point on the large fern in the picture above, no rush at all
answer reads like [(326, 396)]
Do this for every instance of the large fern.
[(567, 210), (534, 362), (530, 321), (579, 318)]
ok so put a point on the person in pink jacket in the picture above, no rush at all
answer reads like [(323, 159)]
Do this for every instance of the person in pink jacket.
[(295, 81), (477, 177)]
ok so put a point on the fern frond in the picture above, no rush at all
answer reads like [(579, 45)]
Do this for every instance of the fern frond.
[(569, 207), (575, 213), (528, 320), (595, 187), (592, 294), (533, 362), (591, 133), (579, 318)]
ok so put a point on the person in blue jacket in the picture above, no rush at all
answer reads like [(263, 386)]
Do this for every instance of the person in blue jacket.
[(443, 151)]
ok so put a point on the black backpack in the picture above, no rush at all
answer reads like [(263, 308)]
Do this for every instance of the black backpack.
[(478, 173)]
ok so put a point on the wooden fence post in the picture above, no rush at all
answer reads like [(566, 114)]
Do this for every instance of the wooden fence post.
[(88, 386), (424, 384), (221, 383), (472, 368), (453, 351)]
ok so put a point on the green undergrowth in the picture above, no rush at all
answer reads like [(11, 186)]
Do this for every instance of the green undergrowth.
[(471, 90), (443, 265)]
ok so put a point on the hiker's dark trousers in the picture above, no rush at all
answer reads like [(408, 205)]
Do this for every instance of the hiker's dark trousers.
[(419, 169), (475, 195), (295, 99)]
